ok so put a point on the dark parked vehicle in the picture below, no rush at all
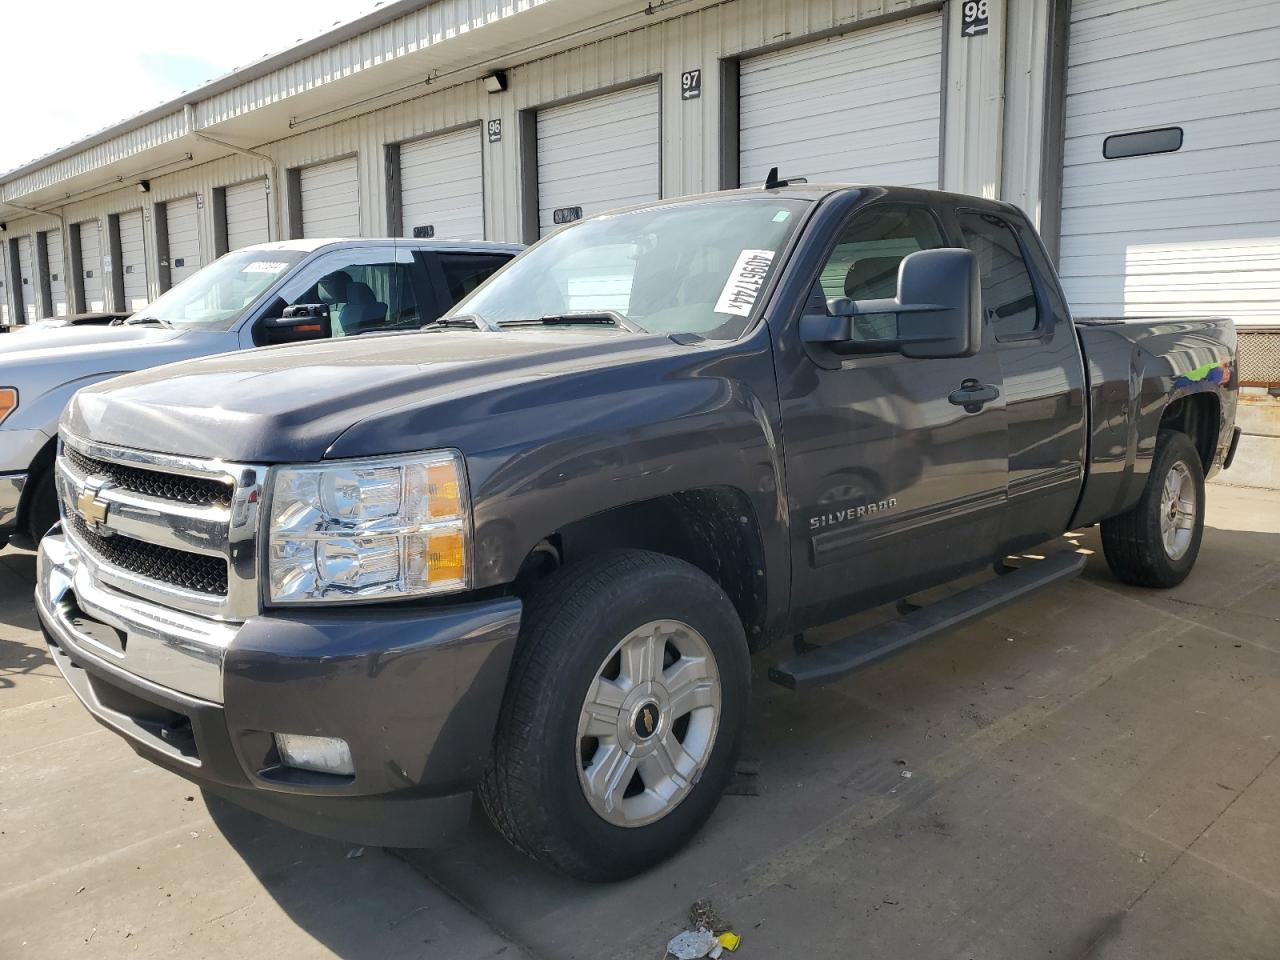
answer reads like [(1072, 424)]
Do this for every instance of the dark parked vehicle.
[(531, 550)]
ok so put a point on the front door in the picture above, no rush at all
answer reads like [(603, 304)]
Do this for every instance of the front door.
[(893, 484)]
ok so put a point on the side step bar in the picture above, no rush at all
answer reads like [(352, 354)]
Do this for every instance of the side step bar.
[(835, 660)]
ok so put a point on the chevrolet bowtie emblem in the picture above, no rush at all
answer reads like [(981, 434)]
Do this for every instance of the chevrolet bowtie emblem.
[(91, 506)]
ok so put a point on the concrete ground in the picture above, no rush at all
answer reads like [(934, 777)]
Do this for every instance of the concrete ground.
[(1093, 775)]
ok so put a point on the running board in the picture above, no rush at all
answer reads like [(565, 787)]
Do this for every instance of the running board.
[(838, 659)]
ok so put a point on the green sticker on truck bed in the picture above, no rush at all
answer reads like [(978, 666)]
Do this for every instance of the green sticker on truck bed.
[(744, 283)]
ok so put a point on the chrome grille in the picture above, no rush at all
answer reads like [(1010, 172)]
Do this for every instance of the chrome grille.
[(177, 531), (178, 568), (164, 486)]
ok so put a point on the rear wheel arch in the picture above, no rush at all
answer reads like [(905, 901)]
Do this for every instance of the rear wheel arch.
[(1199, 416)]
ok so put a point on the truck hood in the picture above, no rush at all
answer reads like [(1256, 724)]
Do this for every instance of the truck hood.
[(291, 403), (45, 342)]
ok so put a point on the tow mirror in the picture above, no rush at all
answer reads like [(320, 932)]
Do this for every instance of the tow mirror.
[(937, 312), (302, 321)]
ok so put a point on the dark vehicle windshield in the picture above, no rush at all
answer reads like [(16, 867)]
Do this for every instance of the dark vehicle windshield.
[(215, 297), (684, 268)]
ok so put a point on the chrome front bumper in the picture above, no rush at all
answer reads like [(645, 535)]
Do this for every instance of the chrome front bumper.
[(11, 486), (174, 650)]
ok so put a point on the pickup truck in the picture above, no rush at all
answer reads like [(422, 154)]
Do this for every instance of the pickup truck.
[(272, 293), (530, 551)]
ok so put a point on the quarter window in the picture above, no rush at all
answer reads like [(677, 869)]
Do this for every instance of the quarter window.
[(1008, 295)]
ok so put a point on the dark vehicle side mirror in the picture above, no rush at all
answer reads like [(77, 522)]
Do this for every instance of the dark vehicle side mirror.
[(938, 311), (302, 321)]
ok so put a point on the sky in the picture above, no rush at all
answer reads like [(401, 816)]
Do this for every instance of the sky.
[(88, 65)]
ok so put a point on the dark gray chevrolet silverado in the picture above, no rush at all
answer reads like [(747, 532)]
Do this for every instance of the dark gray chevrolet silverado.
[(529, 551)]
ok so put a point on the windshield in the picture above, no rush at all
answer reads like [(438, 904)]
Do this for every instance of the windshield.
[(685, 268), (216, 296)]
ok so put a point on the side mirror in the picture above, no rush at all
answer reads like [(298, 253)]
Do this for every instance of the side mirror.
[(938, 310), (302, 321)]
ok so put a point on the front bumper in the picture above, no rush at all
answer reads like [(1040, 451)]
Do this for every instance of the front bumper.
[(11, 486), (415, 692)]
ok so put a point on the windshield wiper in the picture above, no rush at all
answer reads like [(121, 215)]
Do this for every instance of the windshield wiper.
[(461, 320), (136, 320), (587, 317)]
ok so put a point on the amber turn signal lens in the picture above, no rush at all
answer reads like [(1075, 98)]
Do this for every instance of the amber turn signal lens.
[(443, 496), (8, 402), (446, 556)]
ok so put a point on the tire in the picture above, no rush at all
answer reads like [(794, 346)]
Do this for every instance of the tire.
[(1138, 548), (583, 634), (42, 511)]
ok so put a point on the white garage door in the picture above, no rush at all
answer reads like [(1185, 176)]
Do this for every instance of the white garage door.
[(1195, 230), (26, 269), (133, 260), (331, 199), (861, 108), (442, 187), (183, 219), (91, 265), (597, 154), (247, 219), (57, 276)]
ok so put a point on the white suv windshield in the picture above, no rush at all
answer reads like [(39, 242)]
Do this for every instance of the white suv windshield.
[(216, 296), (694, 267)]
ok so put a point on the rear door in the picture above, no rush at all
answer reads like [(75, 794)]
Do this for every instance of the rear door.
[(892, 485), (1030, 329)]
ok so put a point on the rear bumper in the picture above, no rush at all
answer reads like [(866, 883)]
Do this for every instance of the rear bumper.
[(415, 692)]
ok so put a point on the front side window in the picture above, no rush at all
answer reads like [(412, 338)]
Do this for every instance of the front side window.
[(1008, 296), (366, 290), (695, 267), (864, 263)]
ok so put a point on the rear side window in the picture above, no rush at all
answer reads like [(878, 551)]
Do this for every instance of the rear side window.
[(463, 272), (1008, 295)]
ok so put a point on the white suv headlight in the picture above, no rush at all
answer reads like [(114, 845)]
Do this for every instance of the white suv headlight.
[(375, 529)]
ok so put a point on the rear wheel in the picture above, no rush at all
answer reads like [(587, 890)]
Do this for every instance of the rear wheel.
[(622, 716), (1155, 543)]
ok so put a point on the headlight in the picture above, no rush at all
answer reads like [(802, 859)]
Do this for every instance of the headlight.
[(8, 401), (379, 529)]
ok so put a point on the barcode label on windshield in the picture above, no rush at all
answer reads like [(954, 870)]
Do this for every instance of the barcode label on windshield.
[(745, 280), (264, 266)]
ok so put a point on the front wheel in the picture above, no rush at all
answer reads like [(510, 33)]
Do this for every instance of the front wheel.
[(622, 717), (1156, 542)]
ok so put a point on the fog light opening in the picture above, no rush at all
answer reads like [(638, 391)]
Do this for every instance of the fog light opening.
[(317, 754)]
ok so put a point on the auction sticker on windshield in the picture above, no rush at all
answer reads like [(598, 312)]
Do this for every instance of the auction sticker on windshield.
[(264, 266), (744, 283)]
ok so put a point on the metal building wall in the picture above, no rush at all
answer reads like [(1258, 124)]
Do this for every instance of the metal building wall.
[(988, 148)]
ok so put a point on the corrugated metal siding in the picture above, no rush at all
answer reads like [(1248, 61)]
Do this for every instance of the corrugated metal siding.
[(27, 277), (331, 199), (4, 284), (1190, 232), (247, 221), (91, 265), (133, 260), (183, 218), (57, 276), (442, 186), (863, 108), (599, 153)]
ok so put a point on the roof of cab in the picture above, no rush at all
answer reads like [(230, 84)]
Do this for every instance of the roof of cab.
[(311, 244)]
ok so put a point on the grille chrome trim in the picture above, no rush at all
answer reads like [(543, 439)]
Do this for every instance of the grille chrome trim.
[(224, 531)]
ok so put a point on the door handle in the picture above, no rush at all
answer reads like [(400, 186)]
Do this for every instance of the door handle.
[(972, 395)]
